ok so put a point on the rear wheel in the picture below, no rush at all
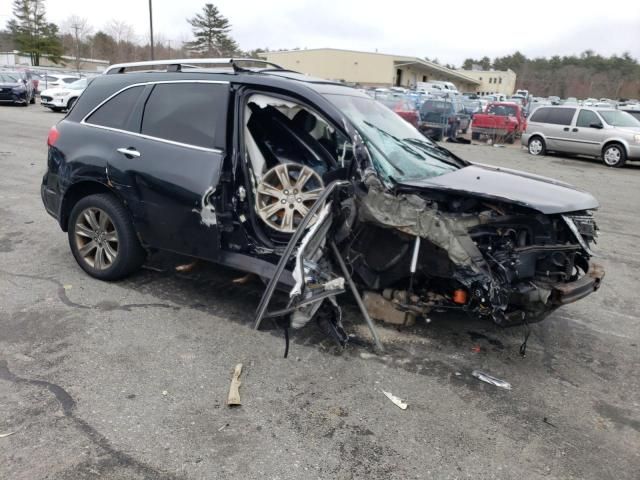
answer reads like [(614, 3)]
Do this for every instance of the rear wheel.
[(536, 146), (102, 238), (614, 155)]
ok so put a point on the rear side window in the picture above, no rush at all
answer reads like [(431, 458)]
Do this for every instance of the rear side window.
[(116, 113), (189, 113), (560, 116), (540, 115), (586, 118)]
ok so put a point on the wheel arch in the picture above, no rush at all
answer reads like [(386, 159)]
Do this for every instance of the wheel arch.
[(617, 141), (78, 191)]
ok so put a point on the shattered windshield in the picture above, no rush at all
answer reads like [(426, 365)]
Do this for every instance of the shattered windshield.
[(398, 150)]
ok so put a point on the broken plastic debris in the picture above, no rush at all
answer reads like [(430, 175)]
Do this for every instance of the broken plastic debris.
[(244, 279), (2, 435), (234, 389), (165, 393), (67, 287), (485, 377), (397, 401), (186, 267)]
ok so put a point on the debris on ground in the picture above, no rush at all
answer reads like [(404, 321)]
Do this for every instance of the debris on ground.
[(234, 389), (244, 279), (476, 349), (397, 401), (2, 435), (485, 377), (165, 393), (186, 267)]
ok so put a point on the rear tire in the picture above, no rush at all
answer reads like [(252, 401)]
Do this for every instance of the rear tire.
[(536, 146), (614, 155), (103, 239)]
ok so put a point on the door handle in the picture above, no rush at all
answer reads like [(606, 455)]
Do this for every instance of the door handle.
[(566, 129), (128, 152), (574, 130)]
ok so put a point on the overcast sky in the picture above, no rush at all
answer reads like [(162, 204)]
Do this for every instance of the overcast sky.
[(450, 31)]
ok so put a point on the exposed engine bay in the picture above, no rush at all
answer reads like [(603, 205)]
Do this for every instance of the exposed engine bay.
[(410, 249)]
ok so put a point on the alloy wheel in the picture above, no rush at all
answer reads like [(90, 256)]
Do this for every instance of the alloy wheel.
[(285, 195), (96, 238)]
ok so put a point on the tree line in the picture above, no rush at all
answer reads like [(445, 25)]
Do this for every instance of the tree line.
[(28, 31), (586, 75)]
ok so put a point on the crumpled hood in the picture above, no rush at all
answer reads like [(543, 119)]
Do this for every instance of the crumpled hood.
[(540, 193)]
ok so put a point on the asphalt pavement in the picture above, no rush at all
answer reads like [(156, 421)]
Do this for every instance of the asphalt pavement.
[(128, 380)]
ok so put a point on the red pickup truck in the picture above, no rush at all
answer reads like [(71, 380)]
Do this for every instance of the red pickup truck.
[(502, 120)]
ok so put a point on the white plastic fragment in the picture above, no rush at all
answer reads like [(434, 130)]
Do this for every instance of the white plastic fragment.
[(2, 435), (485, 377), (397, 401)]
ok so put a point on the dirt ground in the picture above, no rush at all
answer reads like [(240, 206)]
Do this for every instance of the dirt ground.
[(128, 380)]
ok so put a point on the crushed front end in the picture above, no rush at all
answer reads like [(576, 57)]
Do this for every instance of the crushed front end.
[(494, 259)]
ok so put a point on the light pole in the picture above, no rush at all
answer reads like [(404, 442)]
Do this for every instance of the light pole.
[(151, 26)]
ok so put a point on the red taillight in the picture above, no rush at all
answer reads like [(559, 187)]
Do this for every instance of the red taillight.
[(53, 136)]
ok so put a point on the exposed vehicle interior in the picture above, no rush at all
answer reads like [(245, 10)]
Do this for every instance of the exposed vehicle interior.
[(289, 150)]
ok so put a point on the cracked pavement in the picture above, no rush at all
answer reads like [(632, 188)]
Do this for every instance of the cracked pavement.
[(128, 380)]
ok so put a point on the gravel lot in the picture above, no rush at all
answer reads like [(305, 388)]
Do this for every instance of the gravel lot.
[(128, 380)]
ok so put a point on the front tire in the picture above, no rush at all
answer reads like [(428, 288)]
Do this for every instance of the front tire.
[(536, 146), (70, 103), (103, 239), (614, 155)]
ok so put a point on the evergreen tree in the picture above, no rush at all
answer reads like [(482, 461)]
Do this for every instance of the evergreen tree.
[(32, 34), (211, 32)]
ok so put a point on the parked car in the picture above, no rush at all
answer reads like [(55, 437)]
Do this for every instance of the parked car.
[(443, 116), (402, 107), (472, 107), (503, 120), (17, 88), (53, 80), (63, 98), (613, 135), (308, 184)]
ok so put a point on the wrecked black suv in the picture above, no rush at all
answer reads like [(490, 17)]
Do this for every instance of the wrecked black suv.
[(315, 188)]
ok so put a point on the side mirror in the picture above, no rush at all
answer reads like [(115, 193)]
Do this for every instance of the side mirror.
[(597, 125)]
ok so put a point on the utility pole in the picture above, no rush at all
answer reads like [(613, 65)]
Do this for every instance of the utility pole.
[(151, 26), (76, 27)]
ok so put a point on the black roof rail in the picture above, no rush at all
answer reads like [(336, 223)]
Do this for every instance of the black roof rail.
[(177, 65)]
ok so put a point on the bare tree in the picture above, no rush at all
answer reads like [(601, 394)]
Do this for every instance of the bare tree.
[(80, 30)]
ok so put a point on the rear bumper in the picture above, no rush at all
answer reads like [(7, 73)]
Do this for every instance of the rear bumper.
[(491, 131), (50, 199), (565, 293)]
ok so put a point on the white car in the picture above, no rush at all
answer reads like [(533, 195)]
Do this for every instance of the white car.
[(52, 80), (63, 98)]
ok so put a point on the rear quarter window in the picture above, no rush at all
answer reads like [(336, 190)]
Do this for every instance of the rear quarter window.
[(540, 115), (117, 111)]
